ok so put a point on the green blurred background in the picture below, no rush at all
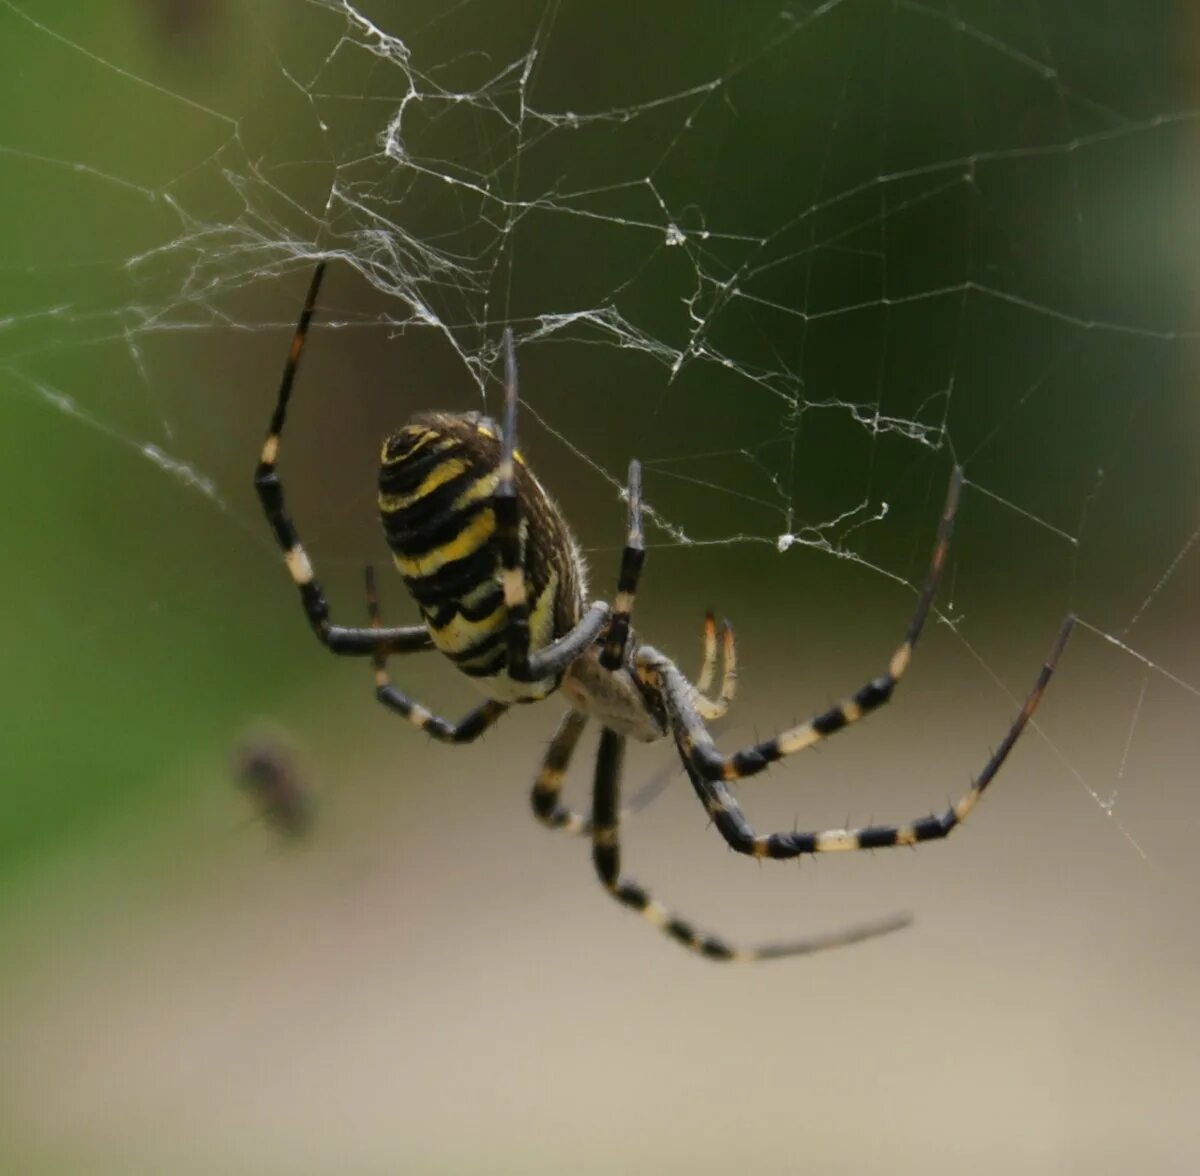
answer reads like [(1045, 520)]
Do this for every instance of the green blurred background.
[(912, 230)]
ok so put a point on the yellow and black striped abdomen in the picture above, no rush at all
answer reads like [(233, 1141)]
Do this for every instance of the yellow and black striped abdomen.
[(436, 483)]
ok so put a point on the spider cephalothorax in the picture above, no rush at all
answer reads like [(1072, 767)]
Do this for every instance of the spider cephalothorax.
[(502, 590)]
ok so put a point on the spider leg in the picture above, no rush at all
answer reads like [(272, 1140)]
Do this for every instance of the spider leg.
[(557, 656), (545, 797), (466, 730), (552, 660), (708, 667), (632, 559), (751, 760), (508, 525), (710, 709), (606, 856), (699, 755), (336, 638)]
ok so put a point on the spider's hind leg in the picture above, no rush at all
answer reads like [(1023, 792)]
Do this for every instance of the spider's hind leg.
[(466, 730)]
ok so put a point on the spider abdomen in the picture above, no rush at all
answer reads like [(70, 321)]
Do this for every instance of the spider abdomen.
[(436, 485)]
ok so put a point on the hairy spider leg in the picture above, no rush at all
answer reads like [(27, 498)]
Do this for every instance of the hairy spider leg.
[(723, 808), (606, 856)]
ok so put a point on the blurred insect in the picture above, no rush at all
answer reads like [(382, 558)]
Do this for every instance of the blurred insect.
[(266, 769), (501, 586)]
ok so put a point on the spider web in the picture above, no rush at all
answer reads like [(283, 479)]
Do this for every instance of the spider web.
[(799, 261), (798, 258)]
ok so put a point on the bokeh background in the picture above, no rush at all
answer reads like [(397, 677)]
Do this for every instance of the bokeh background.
[(892, 233)]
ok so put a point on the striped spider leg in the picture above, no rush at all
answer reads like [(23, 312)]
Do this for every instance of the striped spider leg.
[(727, 815), (606, 857), (375, 641), (336, 638), (466, 730), (710, 771)]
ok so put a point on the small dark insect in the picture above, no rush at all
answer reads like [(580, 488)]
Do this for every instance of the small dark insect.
[(266, 769), (501, 587)]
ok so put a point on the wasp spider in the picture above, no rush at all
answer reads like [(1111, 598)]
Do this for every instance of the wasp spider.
[(500, 585)]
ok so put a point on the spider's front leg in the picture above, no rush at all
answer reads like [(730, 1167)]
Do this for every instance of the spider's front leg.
[(632, 558), (336, 638)]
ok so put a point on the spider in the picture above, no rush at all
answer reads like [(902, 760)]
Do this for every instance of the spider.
[(501, 587)]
